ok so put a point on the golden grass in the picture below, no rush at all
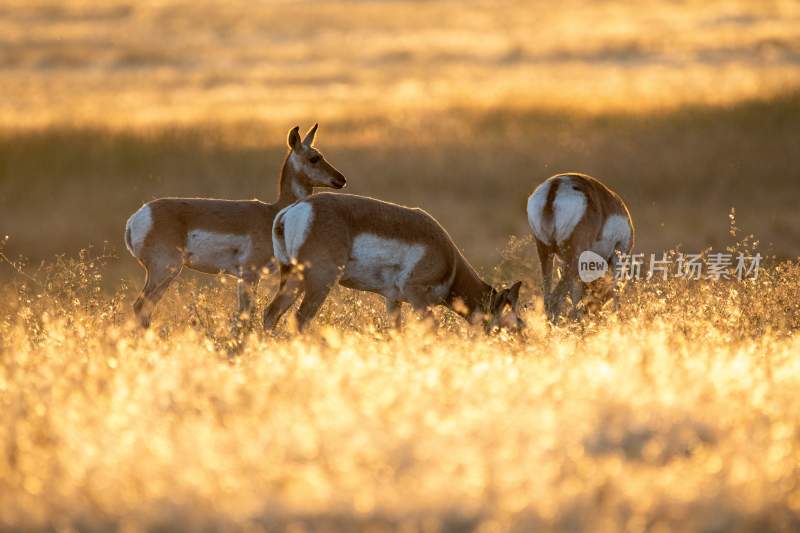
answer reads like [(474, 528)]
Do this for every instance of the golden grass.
[(679, 413)]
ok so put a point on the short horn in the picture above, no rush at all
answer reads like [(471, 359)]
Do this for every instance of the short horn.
[(310, 135)]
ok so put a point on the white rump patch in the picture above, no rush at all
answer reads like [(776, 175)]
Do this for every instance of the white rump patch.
[(382, 264), (568, 209), (221, 252), (137, 228), (616, 232), (297, 219), (536, 203)]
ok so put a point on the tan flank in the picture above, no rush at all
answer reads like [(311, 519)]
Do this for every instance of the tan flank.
[(401, 253), (569, 214), (220, 236)]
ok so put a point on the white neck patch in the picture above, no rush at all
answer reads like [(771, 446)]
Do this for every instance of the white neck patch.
[(295, 162), (299, 191), (299, 167)]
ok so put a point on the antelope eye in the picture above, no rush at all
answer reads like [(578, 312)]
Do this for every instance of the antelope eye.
[(314, 159)]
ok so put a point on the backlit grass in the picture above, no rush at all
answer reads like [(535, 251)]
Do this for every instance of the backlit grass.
[(679, 412)]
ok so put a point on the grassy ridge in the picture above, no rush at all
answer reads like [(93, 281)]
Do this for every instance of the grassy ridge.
[(681, 172)]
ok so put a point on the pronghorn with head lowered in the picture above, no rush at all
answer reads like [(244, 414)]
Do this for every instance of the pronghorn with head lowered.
[(398, 252), (233, 237), (570, 214)]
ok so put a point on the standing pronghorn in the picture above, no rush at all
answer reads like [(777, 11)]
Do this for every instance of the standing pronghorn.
[(569, 214), (370, 245), (220, 236)]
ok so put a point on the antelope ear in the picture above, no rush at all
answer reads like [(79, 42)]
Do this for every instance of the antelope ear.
[(310, 135), (513, 295), (500, 300), (294, 138)]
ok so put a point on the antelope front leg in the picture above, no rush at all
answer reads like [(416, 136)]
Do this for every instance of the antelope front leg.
[(418, 295)]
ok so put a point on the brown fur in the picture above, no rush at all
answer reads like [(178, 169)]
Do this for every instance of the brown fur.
[(441, 276), (547, 212), (601, 203), (164, 250)]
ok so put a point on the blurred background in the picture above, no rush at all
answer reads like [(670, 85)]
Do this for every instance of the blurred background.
[(686, 108)]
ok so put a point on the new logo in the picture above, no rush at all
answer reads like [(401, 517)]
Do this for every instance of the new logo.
[(591, 266)]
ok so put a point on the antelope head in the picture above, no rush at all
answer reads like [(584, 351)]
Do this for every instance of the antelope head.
[(309, 168), (502, 309)]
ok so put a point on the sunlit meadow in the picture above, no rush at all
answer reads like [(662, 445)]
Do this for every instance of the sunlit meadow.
[(677, 412)]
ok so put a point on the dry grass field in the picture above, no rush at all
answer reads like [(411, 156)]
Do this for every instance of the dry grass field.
[(679, 412)]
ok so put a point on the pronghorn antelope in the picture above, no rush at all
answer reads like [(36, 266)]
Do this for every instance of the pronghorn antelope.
[(398, 252), (569, 214), (220, 236)]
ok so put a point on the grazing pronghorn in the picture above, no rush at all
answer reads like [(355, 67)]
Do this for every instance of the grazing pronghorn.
[(220, 236), (569, 214), (398, 252)]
